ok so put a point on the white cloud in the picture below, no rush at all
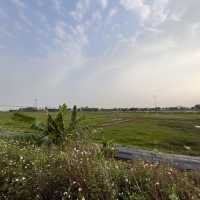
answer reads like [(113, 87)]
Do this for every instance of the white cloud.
[(138, 6), (195, 29), (60, 30), (69, 42), (177, 15), (153, 13), (159, 12), (130, 4), (113, 12), (104, 3), (80, 10)]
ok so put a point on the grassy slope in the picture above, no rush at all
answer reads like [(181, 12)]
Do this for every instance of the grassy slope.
[(168, 132)]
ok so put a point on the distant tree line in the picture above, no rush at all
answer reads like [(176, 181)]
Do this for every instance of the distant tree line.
[(96, 109)]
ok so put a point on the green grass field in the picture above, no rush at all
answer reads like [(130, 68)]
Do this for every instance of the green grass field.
[(167, 132)]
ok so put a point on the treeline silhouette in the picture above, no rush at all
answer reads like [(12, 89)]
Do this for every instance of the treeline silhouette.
[(132, 109)]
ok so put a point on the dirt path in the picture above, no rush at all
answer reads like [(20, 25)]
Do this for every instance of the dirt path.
[(115, 121)]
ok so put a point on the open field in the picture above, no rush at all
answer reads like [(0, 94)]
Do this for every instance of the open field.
[(168, 132)]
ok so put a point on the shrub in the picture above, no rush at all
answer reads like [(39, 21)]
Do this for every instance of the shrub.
[(59, 129)]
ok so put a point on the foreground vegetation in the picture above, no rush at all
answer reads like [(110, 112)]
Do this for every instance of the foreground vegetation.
[(81, 171), (60, 161), (168, 132)]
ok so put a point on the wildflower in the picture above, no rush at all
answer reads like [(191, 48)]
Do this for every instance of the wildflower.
[(23, 178), (169, 173), (79, 189), (157, 183), (131, 169), (65, 193), (126, 180), (146, 165)]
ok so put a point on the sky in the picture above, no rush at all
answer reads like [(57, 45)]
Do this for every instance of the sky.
[(105, 53)]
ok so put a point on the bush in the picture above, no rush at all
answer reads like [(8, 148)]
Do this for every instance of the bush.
[(80, 171), (58, 130)]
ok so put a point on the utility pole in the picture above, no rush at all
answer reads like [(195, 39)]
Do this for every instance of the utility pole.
[(155, 101), (35, 103)]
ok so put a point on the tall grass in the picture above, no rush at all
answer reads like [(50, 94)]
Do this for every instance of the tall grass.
[(80, 171)]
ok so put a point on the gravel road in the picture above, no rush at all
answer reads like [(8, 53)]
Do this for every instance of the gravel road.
[(178, 161)]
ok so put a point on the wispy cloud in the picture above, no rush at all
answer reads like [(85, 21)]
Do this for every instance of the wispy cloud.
[(195, 29), (153, 13), (159, 12), (104, 3), (113, 12), (25, 19), (58, 5), (85, 45), (60, 30), (138, 6), (5, 32), (19, 3), (41, 16), (80, 10)]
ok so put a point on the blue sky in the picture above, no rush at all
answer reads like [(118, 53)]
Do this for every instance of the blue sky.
[(102, 53)]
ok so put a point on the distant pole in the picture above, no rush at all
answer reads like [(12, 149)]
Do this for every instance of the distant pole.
[(155, 101), (35, 103)]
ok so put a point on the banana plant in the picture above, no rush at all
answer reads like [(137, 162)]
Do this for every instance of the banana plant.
[(59, 129)]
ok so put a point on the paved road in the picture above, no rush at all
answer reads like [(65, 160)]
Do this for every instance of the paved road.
[(178, 161)]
